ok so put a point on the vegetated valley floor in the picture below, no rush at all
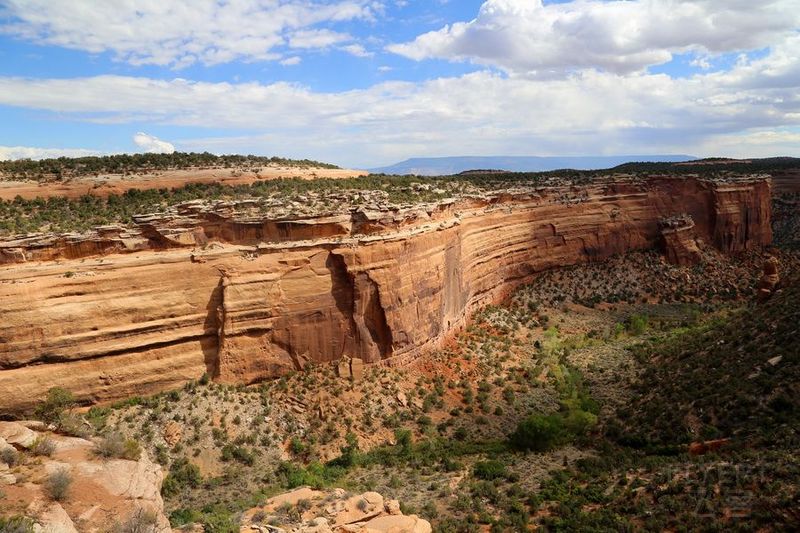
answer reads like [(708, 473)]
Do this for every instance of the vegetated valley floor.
[(633, 359)]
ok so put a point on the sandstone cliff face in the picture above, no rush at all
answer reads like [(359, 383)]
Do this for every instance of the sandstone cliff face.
[(139, 311)]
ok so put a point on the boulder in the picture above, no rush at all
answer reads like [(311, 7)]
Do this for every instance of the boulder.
[(15, 433), (51, 517), (172, 433), (397, 524), (335, 511), (702, 448), (356, 508)]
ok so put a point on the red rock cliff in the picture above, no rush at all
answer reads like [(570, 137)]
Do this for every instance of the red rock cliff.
[(249, 300)]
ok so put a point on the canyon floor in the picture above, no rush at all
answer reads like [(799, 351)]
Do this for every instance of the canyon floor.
[(621, 394), (588, 344)]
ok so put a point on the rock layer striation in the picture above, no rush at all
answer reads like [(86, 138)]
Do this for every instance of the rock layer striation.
[(130, 311)]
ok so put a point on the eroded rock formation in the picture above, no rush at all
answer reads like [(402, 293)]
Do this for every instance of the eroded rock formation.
[(101, 495), (333, 512), (769, 279), (127, 311), (680, 242)]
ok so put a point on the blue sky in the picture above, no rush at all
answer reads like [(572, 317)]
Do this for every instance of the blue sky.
[(369, 82)]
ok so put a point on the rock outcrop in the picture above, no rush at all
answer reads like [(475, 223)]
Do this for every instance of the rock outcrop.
[(101, 492), (769, 279), (131, 311), (680, 243), (309, 511)]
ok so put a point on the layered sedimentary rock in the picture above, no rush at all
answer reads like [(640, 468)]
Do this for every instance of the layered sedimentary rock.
[(139, 310), (680, 242)]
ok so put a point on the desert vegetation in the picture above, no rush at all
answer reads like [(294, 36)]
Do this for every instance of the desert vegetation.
[(68, 167)]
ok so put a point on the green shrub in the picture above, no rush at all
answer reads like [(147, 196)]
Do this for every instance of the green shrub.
[(404, 441), (577, 421), (183, 516), (637, 324), (350, 452), (238, 453), (52, 409), (489, 470), (182, 474), (298, 447), (539, 433), (219, 522), (315, 475)]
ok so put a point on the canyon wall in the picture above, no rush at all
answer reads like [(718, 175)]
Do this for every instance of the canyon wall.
[(136, 311)]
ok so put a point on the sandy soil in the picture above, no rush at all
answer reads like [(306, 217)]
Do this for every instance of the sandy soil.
[(107, 184)]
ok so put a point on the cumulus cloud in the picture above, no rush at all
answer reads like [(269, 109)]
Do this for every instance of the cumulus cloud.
[(152, 145), (30, 152), (179, 33), (530, 38), (480, 113)]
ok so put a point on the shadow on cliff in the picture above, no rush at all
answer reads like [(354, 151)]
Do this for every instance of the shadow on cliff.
[(211, 341), (357, 298), (342, 292)]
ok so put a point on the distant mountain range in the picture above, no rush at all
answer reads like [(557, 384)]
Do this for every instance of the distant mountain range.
[(442, 166)]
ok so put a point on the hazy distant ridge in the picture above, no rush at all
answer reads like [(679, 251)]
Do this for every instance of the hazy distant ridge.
[(438, 166)]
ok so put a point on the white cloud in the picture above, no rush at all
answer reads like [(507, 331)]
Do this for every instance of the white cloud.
[(30, 152), (482, 113), (357, 50), (291, 61), (152, 145), (317, 38), (755, 143), (530, 38), (182, 32)]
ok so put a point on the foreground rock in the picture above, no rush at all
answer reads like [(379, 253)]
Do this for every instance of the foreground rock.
[(141, 310), (770, 279), (100, 494), (310, 511)]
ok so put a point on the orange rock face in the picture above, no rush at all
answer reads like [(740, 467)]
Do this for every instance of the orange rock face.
[(680, 242), (144, 311)]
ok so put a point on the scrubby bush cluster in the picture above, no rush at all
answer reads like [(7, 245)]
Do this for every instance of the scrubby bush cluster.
[(64, 167)]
